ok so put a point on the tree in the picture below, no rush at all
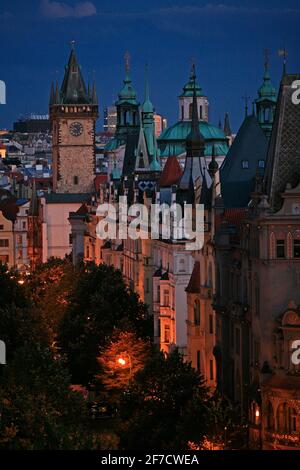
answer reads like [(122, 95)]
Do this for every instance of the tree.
[(49, 288), (165, 407), (38, 409), (121, 360), (99, 304)]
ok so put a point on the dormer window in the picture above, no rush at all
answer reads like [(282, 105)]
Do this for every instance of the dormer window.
[(245, 164)]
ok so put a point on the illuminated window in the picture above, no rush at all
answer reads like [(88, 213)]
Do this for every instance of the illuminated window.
[(4, 243), (245, 164), (261, 163), (167, 334)]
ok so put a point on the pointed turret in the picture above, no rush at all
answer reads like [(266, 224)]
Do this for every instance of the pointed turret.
[(52, 95), (94, 97), (266, 102), (57, 94), (73, 89), (227, 128), (195, 145), (34, 202), (147, 106)]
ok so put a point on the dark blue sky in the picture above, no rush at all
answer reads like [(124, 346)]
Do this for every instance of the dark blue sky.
[(225, 38)]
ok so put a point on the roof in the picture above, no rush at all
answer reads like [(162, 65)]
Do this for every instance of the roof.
[(99, 180), (192, 84), (171, 173), (283, 382), (233, 216), (73, 89), (60, 198), (194, 282), (250, 145), (180, 130), (283, 159)]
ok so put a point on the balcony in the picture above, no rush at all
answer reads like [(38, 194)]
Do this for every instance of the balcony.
[(278, 439)]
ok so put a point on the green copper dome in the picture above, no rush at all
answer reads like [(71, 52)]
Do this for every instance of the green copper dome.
[(128, 93), (188, 89), (267, 90)]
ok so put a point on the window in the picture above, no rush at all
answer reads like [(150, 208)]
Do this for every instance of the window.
[(24, 225), (167, 334), (245, 164), (197, 313), (1, 227), (76, 180), (200, 112), (296, 250), (198, 361), (261, 163), (70, 239), (280, 248), (270, 417), (190, 110), (211, 325), (292, 420), (88, 251), (237, 341), (19, 239), (182, 113), (158, 293), (211, 369), (166, 298), (4, 243)]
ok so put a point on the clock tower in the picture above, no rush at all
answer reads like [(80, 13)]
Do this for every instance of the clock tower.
[(73, 113)]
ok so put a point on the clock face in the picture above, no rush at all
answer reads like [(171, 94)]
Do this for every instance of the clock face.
[(76, 129)]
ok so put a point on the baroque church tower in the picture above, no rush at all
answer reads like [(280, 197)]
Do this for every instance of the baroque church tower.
[(73, 114)]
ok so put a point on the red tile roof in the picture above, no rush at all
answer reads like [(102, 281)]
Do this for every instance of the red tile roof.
[(232, 217), (194, 282), (99, 180), (171, 173)]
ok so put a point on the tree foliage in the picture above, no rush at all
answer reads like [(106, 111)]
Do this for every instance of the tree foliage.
[(165, 407), (99, 304)]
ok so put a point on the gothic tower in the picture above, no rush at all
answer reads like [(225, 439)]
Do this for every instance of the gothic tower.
[(73, 114)]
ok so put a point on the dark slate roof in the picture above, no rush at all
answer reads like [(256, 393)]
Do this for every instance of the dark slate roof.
[(194, 282), (57, 198), (250, 145), (73, 89), (129, 157), (283, 160)]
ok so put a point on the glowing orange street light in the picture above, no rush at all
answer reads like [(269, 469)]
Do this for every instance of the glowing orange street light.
[(121, 361)]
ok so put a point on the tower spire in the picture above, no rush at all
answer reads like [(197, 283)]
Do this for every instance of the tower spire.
[(246, 98), (283, 53)]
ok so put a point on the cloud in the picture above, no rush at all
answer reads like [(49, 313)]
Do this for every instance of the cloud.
[(6, 15), (53, 9)]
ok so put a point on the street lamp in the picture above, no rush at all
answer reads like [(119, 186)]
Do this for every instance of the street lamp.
[(122, 361)]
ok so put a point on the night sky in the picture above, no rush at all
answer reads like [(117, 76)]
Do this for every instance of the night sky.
[(225, 38)]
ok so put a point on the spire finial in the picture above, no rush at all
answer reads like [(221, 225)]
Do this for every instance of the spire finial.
[(127, 62), (246, 98), (267, 59), (283, 53), (147, 91), (72, 44)]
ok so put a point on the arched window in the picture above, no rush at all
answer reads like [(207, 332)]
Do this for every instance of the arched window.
[(282, 418), (200, 112), (197, 312), (270, 417), (182, 113), (292, 420)]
